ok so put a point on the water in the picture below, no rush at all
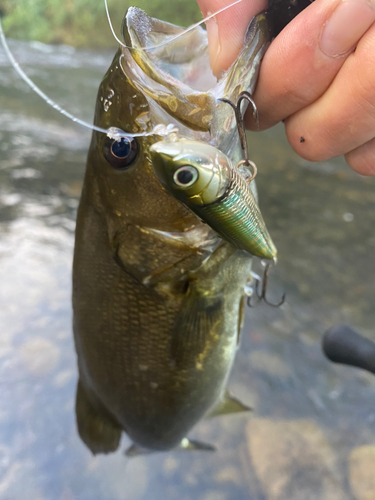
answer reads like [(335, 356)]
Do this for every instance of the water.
[(311, 435)]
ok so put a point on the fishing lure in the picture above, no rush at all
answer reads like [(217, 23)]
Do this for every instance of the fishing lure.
[(204, 180)]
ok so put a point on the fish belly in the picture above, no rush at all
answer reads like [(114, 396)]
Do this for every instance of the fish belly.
[(129, 379)]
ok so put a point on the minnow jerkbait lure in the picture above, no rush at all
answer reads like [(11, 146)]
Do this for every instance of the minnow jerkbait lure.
[(205, 181)]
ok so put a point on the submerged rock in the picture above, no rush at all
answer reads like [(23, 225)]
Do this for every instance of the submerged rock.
[(293, 460)]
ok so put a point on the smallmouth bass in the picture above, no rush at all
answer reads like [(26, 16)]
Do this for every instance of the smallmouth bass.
[(158, 296), (148, 281)]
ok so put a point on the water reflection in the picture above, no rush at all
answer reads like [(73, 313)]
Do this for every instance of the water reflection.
[(312, 432)]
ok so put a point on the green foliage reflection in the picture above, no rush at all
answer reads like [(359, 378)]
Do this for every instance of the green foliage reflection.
[(84, 22)]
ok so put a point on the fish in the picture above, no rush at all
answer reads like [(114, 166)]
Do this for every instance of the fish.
[(204, 179), (158, 295)]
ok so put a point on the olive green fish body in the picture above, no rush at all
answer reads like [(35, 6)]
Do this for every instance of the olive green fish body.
[(157, 295), (130, 376)]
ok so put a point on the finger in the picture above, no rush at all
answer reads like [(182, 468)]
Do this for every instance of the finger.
[(343, 118), (226, 31), (362, 159), (304, 59)]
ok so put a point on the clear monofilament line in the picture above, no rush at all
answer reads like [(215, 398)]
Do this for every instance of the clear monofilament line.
[(172, 38), (111, 132), (115, 133), (37, 90)]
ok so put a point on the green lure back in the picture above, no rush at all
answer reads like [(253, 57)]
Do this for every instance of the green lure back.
[(204, 180)]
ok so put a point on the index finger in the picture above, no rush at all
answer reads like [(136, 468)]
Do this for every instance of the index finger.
[(226, 31), (306, 56)]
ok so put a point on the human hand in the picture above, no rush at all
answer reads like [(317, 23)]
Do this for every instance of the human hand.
[(318, 75)]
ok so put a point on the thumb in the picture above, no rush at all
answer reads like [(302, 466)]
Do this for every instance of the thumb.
[(226, 31)]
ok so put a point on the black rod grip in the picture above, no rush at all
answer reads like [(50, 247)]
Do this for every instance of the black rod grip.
[(281, 12), (341, 344)]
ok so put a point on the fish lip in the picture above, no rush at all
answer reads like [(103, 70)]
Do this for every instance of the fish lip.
[(170, 87), (175, 76)]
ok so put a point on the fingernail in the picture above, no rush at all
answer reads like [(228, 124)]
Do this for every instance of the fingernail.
[(349, 21), (214, 46)]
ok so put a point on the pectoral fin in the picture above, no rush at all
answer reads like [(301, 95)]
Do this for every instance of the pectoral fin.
[(199, 316), (228, 404)]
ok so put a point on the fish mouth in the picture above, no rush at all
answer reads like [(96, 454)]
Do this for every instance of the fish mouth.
[(177, 80), (184, 60)]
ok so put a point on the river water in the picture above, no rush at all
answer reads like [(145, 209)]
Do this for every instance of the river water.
[(311, 434)]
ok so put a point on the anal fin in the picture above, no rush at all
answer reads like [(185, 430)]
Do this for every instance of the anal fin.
[(185, 445), (227, 405), (97, 430)]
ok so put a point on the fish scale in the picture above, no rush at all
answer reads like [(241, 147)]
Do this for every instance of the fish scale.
[(131, 325)]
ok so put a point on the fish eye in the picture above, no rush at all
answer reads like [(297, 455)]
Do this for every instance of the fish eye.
[(120, 154), (185, 176)]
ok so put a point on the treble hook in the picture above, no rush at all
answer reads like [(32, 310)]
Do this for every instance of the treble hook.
[(240, 120), (262, 294)]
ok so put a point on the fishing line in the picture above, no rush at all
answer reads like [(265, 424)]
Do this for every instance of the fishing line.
[(172, 38), (112, 132)]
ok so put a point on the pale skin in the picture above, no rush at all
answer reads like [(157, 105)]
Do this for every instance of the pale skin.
[(318, 75)]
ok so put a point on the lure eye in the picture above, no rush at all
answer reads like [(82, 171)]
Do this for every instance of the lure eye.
[(122, 153), (185, 176)]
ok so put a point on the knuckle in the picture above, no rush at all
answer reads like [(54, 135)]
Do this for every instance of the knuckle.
[(363, 94), (362, 159), (363, 84), (300, 95)]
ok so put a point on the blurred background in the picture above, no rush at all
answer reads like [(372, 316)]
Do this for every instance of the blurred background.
[(83, 23), (311, 435)]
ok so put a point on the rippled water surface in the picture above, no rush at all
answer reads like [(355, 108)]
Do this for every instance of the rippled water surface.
[(311, 435)]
